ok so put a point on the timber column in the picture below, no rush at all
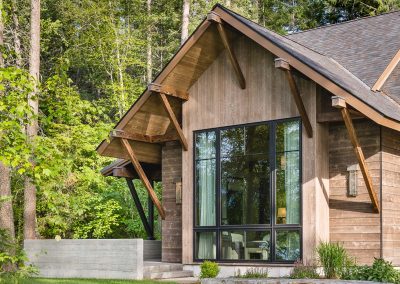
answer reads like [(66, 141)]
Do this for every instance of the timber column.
[(172, 225)]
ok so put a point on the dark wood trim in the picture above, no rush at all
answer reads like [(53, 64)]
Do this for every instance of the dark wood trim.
[(213, 17), (149, 230), (168, 90), (341, 104), (143, 177), (174, 121), (284, 65)]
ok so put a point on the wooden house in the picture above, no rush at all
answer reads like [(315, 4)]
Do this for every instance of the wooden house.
[(267, 145)]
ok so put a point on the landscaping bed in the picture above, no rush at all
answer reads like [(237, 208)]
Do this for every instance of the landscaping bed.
[(280, 281)]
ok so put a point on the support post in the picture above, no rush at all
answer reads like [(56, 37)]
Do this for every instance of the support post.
[(149, 230), (213, 17), (150, 208), (143, 177), (174, 121), (340, 103), (284, 65), (168, 90)]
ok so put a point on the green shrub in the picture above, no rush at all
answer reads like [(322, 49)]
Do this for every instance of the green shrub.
[(209, 269), (380, 271), (301, 271), (334, 260), (253, 273)]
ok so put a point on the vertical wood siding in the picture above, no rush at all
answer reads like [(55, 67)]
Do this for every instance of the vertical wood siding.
[(216, 100), (352, 221)]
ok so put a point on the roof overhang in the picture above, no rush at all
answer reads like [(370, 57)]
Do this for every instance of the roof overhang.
[(147, 117)]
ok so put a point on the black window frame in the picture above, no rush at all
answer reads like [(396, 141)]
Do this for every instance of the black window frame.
[(273, 227)]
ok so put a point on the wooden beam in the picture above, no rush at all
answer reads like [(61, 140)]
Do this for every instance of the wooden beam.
[(116, 133), (168, 90), (174, 121), (143, 177), (323, 117), (123, 172), (386, 73), (284, 65), (213, 17), (338, 103)]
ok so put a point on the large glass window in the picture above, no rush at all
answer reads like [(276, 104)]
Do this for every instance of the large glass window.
[(247, 192)]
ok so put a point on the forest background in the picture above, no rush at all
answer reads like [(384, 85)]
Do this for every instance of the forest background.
[(95, 58)]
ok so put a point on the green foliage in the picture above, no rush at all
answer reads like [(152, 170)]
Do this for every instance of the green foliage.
[(301, 271), (253, 272), (12, 261), (380, 271), (334, 259), (209, 269)]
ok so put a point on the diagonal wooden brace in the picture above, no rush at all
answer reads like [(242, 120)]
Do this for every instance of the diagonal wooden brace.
[(174, 121), (284, 65), (341, 104), (143, 177), (214, 17)]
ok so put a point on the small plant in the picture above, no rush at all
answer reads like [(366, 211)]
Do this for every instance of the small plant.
[(253, 273), (380, 271), (334, 260), (209, 269), (301, 271)]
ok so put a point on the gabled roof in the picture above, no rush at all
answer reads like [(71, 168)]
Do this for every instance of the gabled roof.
[(202, 48), (363, 46)]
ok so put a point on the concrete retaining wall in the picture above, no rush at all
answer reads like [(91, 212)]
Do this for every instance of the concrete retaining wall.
[(112, 259)]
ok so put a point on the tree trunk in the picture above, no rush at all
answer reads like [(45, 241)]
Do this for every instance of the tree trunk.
[(6, 209), (185, 20), (17, 40), (32, 127), (149, 51)]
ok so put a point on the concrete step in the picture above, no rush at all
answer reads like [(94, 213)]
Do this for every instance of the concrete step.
[(161, 267), (168, 274), (184, 280)]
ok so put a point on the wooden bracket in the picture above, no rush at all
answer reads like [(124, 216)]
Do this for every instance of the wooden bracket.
[(143, 177), (340, 103), (214, 17), (284, 65), (174, 121), (168, 90), (386, 73)]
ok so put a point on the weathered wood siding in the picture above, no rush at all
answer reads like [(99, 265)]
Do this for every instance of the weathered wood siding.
[(352, 221), (391, 195), (172, 225), (217, 100)]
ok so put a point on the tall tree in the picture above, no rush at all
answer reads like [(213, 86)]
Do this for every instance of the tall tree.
[(32, 127), (6, 209), (185, 20), (16, 34), (149, 49)]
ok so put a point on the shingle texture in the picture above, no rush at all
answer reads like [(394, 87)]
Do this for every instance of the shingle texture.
[(353, 57)]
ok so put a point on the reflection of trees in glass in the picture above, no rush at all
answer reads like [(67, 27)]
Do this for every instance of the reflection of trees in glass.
[(287, 245), (288, 173), (245, 175)]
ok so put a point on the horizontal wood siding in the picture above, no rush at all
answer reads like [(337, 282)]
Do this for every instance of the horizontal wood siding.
[(216, 100), (391, 195), (352, 221)]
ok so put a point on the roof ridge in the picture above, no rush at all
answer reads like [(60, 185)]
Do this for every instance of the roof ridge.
[(341, 23)]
